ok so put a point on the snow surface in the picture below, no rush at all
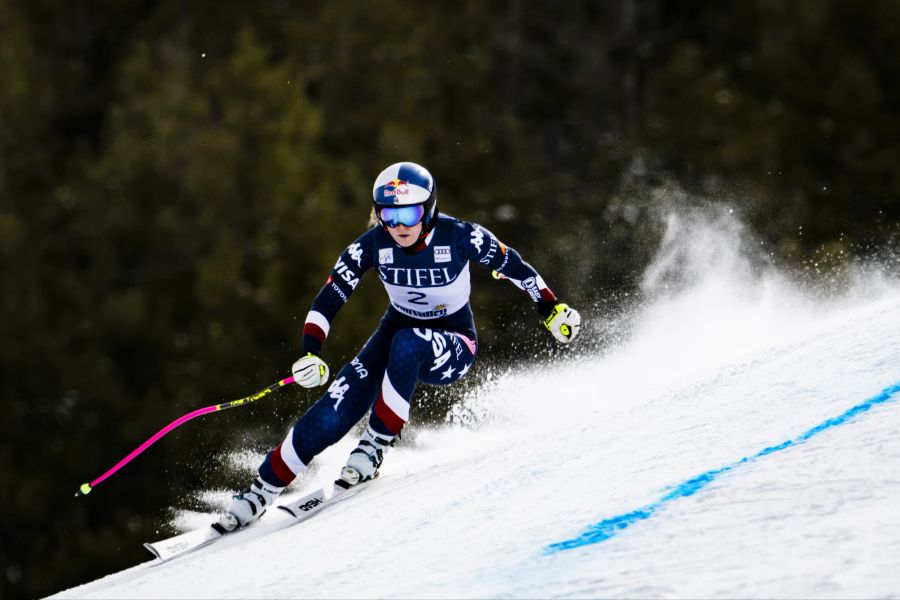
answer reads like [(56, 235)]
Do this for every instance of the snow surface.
[(742, 441)]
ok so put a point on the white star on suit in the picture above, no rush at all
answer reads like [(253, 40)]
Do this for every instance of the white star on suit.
[(448, 373)]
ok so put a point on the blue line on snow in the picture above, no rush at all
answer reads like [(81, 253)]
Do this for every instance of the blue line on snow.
[(607, 528)]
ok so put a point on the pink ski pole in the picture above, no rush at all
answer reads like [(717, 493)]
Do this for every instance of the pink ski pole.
[(87, 487)]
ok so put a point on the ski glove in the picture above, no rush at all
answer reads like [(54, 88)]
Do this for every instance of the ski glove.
[(564, 323), (310, 371)]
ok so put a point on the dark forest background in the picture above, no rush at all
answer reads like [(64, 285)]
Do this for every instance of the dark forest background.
[(178, 177)]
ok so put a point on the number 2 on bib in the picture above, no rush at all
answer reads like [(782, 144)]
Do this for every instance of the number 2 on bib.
[(417, 298)]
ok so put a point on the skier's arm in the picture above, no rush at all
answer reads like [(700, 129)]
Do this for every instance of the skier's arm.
[(561, 320), (356, 259), (485, 249)]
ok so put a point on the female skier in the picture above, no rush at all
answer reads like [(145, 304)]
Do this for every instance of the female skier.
[(427, 333)]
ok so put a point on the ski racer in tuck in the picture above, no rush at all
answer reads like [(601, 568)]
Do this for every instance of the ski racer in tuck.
[(426, 334)]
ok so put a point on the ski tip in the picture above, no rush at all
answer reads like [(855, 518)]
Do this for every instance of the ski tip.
[(84, 490), (152, 550)]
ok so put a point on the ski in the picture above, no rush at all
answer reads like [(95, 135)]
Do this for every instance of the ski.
[(195, 539), (299, 510), (186, 542), (308, 506)]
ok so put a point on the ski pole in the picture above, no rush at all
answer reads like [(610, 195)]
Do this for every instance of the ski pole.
[(87, 487)]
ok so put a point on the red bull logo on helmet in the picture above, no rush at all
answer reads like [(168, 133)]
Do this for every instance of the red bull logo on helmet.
[(396, 187)]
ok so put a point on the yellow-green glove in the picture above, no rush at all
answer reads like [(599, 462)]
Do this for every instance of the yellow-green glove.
[(564, 323)]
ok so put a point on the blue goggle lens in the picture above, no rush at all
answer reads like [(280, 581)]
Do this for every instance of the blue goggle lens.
[(401, 215)]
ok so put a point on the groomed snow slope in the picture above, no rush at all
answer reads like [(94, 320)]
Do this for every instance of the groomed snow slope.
[(744, 441)]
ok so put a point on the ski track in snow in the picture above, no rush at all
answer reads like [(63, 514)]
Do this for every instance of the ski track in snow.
[(744, 442)]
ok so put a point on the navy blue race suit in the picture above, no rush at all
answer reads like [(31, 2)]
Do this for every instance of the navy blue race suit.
[(427, 333)]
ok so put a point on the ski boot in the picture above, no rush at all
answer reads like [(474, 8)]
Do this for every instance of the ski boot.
[(249, 505), (365, 459)]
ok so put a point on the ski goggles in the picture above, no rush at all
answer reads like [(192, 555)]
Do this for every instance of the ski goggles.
[(391, 216)]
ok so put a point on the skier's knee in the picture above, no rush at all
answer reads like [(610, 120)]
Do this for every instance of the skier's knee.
[(318, 429), (408, 347)]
